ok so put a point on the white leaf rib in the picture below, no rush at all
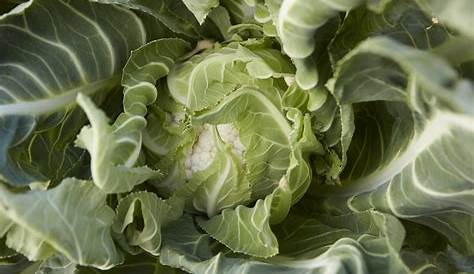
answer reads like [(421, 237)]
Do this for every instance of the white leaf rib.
[(52, 103), (74, 59), (100, 31)]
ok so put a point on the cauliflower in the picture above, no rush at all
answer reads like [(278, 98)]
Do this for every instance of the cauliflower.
[(203, 151)]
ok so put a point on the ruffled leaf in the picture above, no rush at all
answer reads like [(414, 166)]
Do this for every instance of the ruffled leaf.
[(62, 220)]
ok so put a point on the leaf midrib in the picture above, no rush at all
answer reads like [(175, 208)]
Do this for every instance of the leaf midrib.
[(51, 104), (437, 127)]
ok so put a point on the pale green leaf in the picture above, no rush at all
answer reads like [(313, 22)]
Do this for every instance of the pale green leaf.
[(173, 14), (73, 226), (366, 242), (416, 169), (201, 8), (17, 265), (223, 184), (113, 149), (239, 11), (400, 20), (205, 79), (432, 74), (456, 14), (245, 230), (271, 138), (297, 23), (143, 208), (142, 264), (44, 67), (113, 160)]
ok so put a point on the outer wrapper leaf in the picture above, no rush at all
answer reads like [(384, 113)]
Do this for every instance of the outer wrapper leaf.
[(145, 208), (64, 220), (457, 15), (417, 154), (245, 230), (45, 65), (357, 243), (115, 149), (201, 9)]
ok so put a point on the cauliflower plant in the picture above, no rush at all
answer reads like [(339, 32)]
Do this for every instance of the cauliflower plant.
[(221, 132)]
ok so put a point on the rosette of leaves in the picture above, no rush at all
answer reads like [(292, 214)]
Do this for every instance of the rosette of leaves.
[(297, 137), (228, 144)]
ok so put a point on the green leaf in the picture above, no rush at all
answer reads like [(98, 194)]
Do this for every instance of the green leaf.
[(173, 14), (316, 68), (138, 223), (51, 152), (297, 23), (406, 154), (8, 5), (366, 242), (61, 218), (395, 158), (420, 261), (200, 8), (142, 263), (271, 138), (56, 265), (432, 74), (239, 11), (145, 66), (402, 21), (46, 65), (217, 24), (456, 51), (27, 243), (113, 149), (425, 249), (113, 161), (245, 230), (277, 144), (223, 184), (6, 252), (457, 14), (205, 79), (133, 264), (332, 121), (17, 265)]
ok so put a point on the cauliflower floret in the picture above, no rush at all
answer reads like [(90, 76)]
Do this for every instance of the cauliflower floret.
[(229, 134), (204, 149), (202, 152)]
